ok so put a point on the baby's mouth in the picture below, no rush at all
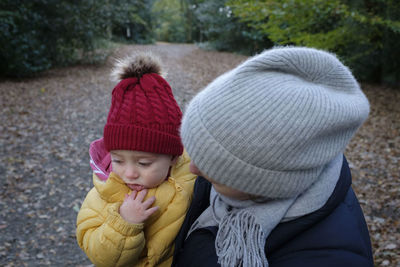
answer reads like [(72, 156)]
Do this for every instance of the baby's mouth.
[(136, 187)]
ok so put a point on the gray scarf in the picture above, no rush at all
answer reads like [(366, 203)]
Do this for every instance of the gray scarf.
[(243, 226)]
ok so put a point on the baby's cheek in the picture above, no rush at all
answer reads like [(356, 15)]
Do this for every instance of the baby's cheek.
[(113, 167), (159, 176), (117, 169)]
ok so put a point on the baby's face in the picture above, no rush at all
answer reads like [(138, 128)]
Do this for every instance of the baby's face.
[(220, 188), (139, 169)]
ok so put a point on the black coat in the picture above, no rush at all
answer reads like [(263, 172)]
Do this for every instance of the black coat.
[(335, 235)]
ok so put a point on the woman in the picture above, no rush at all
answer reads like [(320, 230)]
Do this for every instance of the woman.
[(269, 137)]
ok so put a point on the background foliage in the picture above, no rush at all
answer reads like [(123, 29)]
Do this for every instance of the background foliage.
[(169, 21), (38, 34), (364, 33)]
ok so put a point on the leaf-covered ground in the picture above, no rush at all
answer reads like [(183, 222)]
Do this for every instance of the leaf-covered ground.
[(47, 124)]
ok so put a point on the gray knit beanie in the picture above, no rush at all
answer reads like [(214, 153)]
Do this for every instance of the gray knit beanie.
[(271, 125)]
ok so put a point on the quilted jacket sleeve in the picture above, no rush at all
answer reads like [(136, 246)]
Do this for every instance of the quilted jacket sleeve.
[(104, 236)]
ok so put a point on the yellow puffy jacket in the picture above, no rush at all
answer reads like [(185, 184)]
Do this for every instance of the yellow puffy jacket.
[(108, 240)]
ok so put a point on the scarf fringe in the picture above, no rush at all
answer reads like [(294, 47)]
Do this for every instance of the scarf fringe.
[(240, 241)]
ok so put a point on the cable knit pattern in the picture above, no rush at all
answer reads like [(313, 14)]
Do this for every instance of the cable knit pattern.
[(277, 119), (144, 116)]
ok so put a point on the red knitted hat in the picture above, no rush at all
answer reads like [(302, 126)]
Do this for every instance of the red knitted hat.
[(144, 115)]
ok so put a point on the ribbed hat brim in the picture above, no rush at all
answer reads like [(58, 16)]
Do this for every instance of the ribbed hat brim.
[(133, 137)]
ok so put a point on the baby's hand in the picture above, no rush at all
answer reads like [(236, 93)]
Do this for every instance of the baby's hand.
[(134, 210)]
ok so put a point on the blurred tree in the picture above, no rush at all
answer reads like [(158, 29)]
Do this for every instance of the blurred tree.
[(209, 22), (133, 20), (169, 21), (364, 33), (175, 20), (38, 34), (220, 29)]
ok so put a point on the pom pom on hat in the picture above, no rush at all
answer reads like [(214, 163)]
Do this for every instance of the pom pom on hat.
[(135, 66)]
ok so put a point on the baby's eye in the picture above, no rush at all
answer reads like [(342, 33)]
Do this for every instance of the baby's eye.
[(117, 161), (144, 164)]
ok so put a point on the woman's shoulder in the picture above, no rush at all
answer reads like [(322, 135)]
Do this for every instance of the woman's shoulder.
[(337, 232), (339, 238), (305, 241)]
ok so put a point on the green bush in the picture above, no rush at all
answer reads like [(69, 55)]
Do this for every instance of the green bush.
[(169, 21), (38, 34), (132, 21), (363, 33), (210, 23), (222, 31)]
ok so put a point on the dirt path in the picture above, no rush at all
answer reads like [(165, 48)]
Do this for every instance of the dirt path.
[(48, 123)]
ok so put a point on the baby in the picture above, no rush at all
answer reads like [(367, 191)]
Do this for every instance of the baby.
[(142, 183)]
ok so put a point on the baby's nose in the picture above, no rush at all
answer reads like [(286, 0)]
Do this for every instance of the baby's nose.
[(131, 173)]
